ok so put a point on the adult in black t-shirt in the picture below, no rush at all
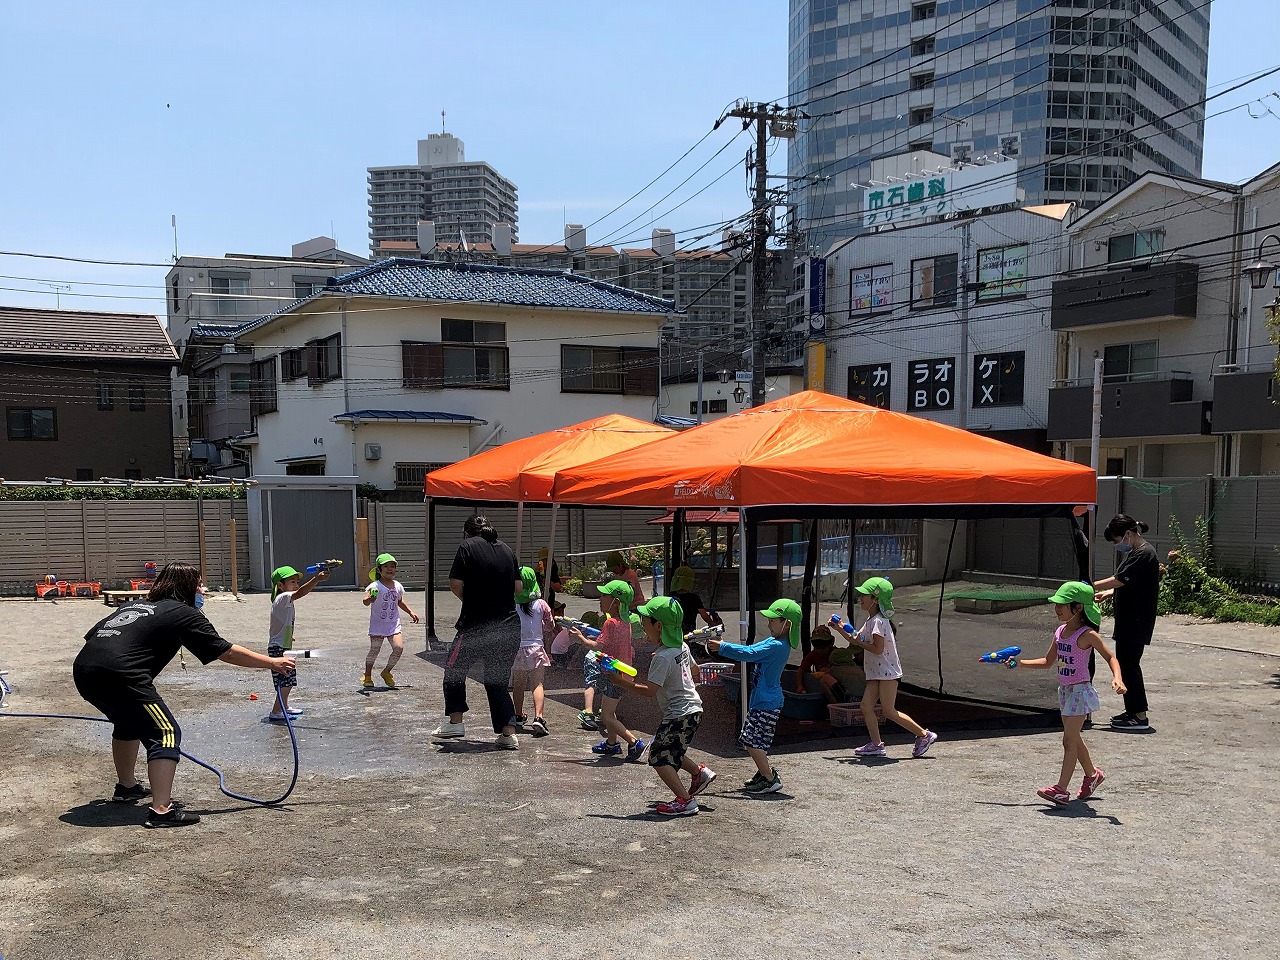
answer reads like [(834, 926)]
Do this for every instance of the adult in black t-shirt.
[(485, 577), (116, 671), (554, 585), (1135, 593)]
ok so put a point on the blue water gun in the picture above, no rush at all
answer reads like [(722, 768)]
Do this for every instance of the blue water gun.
[(1004, 655), (315, 568), (838, 622), (585, 629)]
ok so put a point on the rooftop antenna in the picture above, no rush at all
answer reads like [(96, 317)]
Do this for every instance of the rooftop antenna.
[(442, 123), (173, 222)]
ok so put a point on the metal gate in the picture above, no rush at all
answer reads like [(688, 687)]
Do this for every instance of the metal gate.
[(299, 521)]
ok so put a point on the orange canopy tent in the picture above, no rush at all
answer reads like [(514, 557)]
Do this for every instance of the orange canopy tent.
[(817, 451), (523, 470)]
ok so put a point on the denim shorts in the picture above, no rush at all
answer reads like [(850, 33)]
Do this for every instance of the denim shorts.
[(1078, 700), (599, 680)]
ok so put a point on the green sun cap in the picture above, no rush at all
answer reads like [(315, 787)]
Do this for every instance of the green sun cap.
[(882, 590), (670, 616), (622, 592), (529, 579), (785, 609), (1077, 591), (279, 575), (382, 558)]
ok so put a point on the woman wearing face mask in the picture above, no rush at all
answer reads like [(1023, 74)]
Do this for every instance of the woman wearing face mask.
[(1135, 591)]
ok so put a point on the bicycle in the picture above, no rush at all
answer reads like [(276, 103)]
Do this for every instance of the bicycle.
[(5, 689)]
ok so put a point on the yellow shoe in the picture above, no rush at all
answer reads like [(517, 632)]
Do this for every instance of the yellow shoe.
[(387, 678), (366, 681)]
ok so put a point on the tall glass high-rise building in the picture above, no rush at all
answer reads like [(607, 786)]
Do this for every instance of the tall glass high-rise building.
[(1088, 94)]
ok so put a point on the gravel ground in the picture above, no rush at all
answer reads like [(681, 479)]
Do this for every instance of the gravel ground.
[(391, 847)]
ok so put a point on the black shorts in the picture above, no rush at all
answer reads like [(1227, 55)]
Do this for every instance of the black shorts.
[(136, 715)]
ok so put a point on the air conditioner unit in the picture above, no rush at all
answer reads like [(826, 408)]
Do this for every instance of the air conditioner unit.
[(373, 451)]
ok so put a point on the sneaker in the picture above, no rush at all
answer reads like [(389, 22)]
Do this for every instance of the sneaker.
[(678, 808), (507, 741), (366, 681), (276, 718), (871, 750), (520, 718), (607, 748), (295, 711), (388, 679), (1120, 716), (449, 731), (772, 786), (130, 794), (1091, 784), (587, 720), (176, 817), (1130, 722), (923, 743), (755, 783), (1054, 794), (636, 750), (539, 727), (701, 780)]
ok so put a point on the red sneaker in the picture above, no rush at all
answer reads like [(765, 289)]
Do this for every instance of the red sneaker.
[(701, 780), (1054, 794), (676, 807), (1091, 784)]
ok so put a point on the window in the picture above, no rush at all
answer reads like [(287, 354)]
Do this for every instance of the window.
[(175, 302), (1129, 246), (933, 281), (137, 395), (1002, 272), (33, 423), (106, 395), (240, 381), (997, 379), (324, 359), (293, 364), (921, 115), (83, 474), (922, 81), (1126, 362), (412, 476), (923, 11), (228, 293), (870, 289), (922, 47), (631, 371), (262, 398), (708, 406), (304, 287)]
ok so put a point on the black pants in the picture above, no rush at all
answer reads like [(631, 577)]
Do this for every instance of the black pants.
[(494, 646), (137, 713), (1129, 655)]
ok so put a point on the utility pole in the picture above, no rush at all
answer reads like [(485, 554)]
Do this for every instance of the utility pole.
[(782, 123), (962, 374)]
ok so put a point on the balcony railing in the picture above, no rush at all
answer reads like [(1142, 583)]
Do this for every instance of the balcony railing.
[(1148, 292)]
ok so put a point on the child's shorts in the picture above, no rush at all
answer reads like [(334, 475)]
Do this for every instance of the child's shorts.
[(598, 680), (1078, 700), (758, 729), (671, 740), (281, 679), (531, 657)]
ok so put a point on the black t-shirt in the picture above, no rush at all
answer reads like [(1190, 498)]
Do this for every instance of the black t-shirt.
[(1136, 602), (690, 603), (489, 573), (136, 642)]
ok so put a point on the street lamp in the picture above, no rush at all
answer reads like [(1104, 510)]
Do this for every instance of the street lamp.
[(1259, 274), (723, 376), (739, 395)]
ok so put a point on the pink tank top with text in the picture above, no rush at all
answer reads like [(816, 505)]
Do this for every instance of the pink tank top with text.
[(1073, 663)]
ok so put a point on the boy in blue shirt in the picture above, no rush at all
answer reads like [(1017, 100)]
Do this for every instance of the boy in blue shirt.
[(765, 707)]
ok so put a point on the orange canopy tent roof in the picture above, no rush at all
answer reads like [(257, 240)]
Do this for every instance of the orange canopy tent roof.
[(816, 450), (522, 470)]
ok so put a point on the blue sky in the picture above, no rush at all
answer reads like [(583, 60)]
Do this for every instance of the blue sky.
[(254, 122)]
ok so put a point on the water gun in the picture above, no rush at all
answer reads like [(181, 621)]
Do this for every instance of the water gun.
[(703, 634), (1004, 655), (585, 629), (607, 662), (315, 568), (838, 622)]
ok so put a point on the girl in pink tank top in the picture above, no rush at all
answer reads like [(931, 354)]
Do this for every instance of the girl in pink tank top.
[(1077, 634)]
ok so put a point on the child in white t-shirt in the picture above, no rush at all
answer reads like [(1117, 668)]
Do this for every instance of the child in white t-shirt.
[(883, 670), (385, 600), (286, 587), (536, 626)]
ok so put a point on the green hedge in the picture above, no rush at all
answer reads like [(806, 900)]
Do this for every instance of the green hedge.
[(174, 492)]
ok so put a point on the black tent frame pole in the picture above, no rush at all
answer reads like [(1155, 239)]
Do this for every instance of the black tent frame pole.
[(431, 572), (806, 594), (942, 591)]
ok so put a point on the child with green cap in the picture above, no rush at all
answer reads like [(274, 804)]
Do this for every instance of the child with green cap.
[(1077, 634), (883, 670), (614, 641), (536, 628), (286, 588), (682, 587), (385, 600), (765, 707), (670, 680)]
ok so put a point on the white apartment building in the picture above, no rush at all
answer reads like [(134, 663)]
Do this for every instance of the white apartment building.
[(409, 365), (462, 198), (949, 320)]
